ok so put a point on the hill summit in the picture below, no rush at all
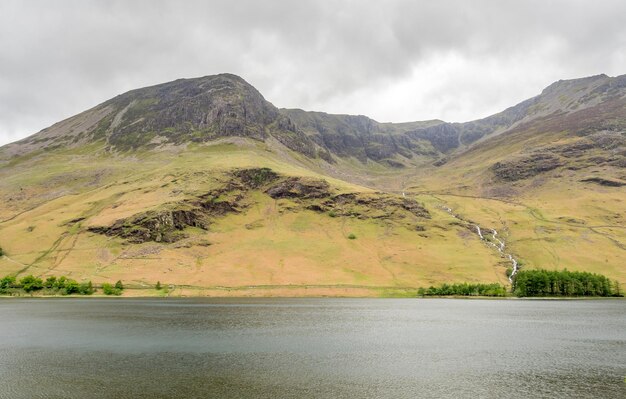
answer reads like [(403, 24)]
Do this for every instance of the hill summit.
[(206, 187)]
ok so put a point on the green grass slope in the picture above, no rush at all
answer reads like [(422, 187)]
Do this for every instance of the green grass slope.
[(271, 247), (345, 206)]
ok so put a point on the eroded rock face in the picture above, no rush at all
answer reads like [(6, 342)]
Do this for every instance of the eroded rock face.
[(525, 167), (372, 206), (600, 148), (160, 226), (300, 187), (255, 177), (604, 182), (167, 224)]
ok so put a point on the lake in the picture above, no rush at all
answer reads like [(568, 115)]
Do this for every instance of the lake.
[(328, 348)]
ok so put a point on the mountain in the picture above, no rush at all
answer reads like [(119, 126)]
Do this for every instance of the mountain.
[(204, 185)]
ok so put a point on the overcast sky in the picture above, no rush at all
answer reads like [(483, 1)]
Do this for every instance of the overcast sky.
[(391, 60)]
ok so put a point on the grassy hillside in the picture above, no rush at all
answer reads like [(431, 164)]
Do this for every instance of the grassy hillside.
[(252, 200), (272, 247), (558, 195)]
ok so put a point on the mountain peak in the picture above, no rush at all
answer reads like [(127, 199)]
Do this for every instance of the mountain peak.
[(197, 109), (563, 85), (210, 107)]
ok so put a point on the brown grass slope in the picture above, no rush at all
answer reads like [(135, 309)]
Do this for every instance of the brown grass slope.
[(161, 184)]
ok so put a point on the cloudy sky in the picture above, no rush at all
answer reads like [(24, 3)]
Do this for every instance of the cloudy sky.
[(391, 60)]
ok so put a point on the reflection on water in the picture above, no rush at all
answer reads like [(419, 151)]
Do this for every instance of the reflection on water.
[(268, 348)]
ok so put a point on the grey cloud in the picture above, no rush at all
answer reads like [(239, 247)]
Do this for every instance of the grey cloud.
[(393, 60)]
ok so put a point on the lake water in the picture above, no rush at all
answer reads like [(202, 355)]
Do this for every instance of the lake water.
[(328, 348)]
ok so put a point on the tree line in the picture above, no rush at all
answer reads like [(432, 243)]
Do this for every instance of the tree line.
[(54, 286), (563, 283), (535, 283), (464, 289)]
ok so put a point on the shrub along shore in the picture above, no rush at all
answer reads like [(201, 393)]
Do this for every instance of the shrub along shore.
[(536, 283), (527, 283), (10, 285)]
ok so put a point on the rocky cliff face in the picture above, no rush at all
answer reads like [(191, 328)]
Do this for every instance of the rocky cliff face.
[(225, 105), (190, 109), (361, 137), (197, 110), (178, 112), (560, 99)]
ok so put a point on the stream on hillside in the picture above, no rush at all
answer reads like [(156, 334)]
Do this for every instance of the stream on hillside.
[(490, 238)]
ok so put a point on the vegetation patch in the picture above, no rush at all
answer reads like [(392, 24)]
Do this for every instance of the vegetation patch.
[(464, 289), (110, 289), (563, 283), (10, 285)]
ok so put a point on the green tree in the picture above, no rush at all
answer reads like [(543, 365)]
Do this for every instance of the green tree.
[(158, 285), (109, 289), (71, 287), (86, 288), (119, 285), (60, 283), (7, 282), (31, 283), (50, 282)]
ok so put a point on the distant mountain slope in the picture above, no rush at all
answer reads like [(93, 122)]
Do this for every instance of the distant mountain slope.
[(205, 185), (576, 126), (175, 113), (361, 137), (204, 109), (562, 97)]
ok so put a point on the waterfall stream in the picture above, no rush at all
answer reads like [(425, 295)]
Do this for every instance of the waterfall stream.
[(495, 242)]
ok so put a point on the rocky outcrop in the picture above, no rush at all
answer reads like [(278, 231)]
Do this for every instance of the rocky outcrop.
[(168, 223), (600, 148), (299, 187), (159, 226), (316, 195), (255, 177), (525, 166), (371, 206), (604, 182)]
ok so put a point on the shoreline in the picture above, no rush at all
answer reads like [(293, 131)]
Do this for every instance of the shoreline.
[(283, 291), (251, 294)]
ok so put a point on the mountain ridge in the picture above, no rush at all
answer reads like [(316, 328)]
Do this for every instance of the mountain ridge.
[(205, 185), (184, 110)]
